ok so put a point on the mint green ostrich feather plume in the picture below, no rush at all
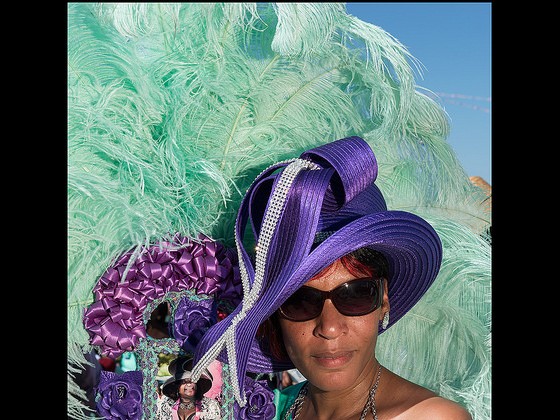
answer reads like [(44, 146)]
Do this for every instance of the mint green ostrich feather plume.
[(174, 108), (444, 342)]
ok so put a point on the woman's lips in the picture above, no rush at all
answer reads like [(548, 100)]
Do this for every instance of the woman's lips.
[(332, 360)]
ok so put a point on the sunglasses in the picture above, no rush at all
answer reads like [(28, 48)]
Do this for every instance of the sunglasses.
[(353, 298)]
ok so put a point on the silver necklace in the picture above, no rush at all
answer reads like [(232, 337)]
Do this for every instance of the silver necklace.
[(370, 403), (189, 405)]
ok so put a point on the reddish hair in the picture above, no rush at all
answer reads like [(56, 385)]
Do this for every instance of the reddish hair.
[(364, 262)]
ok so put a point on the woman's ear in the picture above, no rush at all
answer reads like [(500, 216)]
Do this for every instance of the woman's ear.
[(385, 306)]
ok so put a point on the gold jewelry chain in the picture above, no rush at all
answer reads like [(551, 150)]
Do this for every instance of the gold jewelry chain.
[(370, 403)]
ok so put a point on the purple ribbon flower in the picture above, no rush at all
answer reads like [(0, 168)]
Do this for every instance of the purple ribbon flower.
[(260, 401), (191, 320), (115, 320), (120, 395)]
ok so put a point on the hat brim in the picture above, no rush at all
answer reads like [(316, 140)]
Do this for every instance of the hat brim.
[(410, 244)]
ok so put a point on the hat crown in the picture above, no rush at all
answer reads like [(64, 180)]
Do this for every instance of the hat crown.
[(178, 367), (352, 192), (350, 169), (335, 190)]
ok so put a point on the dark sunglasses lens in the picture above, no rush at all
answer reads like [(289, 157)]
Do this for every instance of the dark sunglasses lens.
[(303, 305), (357, 297)]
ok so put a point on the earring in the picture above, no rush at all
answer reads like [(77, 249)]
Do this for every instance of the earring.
[(385, 322)]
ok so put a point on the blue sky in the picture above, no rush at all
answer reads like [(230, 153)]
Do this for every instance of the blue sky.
[(453, 41)]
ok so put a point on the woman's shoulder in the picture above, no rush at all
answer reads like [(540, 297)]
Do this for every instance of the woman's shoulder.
[(412, 401), (210, 402), (438, 408)]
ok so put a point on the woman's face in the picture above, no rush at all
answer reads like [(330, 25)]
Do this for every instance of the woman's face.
[(333, 351), (187, 389)]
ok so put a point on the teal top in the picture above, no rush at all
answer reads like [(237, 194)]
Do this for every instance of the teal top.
[(284, 399)]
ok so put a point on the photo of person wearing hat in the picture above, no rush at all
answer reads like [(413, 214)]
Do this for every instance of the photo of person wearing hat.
[(184, 399), (333, 269)]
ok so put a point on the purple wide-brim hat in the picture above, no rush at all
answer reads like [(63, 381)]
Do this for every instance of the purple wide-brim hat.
[(305, 214)]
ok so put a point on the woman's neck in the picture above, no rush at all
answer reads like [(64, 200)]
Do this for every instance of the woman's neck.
[(342, 403)]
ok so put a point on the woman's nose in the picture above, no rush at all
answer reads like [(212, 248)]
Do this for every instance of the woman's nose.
[(330, 323)]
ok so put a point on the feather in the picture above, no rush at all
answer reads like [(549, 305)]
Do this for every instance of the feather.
[(454, 315), (305, 28), (174, 108)]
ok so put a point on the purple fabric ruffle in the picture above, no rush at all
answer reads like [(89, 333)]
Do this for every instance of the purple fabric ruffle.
[(191, 320), (260, 401)]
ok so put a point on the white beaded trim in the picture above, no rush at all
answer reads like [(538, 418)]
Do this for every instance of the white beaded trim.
[(272, 215)]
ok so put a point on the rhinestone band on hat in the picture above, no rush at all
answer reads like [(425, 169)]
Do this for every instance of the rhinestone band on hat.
[(242, 268), (271, 218)]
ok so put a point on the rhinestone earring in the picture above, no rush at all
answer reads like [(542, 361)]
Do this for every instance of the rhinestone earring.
[(385, 322)]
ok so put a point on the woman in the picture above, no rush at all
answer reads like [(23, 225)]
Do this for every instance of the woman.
[(184, 399), (332, 269), (330, 339)]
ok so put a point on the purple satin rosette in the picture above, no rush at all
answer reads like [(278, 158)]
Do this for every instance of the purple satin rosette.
[(260, 401), (115, 320), (191, 320), (119, 396)]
